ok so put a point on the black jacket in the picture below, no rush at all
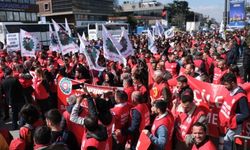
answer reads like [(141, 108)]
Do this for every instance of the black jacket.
[(13, 91)]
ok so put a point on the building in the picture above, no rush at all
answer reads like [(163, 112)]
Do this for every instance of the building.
[(18, 11), (144, 12), (78, 12)]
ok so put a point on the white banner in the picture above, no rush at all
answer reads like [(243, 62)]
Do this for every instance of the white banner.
[(28, 43), (111, 47), (66, 42), (127, 48), (13, 43)]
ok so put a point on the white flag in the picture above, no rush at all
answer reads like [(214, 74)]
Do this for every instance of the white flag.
[(127, 48), (28, 43), (151, 43), (221, 31), (54, 45), (84, 43), (169, 33), (67, 27), (159, 28), (111, 47), (66, 42), (91, 54)]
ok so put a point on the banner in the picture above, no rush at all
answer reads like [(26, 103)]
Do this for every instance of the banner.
[(54, 45), (13, 43), (67, 87), (151, 43), (237, 13), (127, 48), (143, 142), (91, 54), (210, 96), (66, 42), (28, 43), (111, 47)]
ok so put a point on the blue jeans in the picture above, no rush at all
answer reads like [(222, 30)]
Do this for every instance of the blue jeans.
[(229, 137)]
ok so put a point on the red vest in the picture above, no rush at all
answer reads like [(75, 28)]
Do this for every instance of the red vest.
[(197, 63), (144, 112), (92, 142), (171, 67), (156, 90), (227, 115), (121, 115), (129, 91), (168, 122), (40, 91), (207, 146), (218, 73), (185, 122)]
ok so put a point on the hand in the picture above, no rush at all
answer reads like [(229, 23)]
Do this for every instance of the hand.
[(79, 99), (118, 132), (146, 132)]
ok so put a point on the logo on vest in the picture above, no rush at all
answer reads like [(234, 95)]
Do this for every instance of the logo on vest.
[(65, 86)]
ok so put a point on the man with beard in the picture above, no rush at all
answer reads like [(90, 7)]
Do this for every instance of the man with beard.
[(162, 129), (234, 110)]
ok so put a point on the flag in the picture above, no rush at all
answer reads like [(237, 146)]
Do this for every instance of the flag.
[(159, 28), (111, 47), (66, 42), (127, 48), (84, 43), (91, 54), (221, 30), (28, 43), (54, 45), (169, 33), (67, 27), (151, 43)]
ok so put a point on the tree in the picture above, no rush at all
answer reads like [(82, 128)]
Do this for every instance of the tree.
[(132, 22), (178, 12)]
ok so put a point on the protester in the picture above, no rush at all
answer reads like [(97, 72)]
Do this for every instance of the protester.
[(139, 119), (13, 92), (58, 135), (201, 140), (234, 110), (162, 129), (186, 115)]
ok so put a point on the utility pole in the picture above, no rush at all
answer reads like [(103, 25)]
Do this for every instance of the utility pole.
[(225, 15)]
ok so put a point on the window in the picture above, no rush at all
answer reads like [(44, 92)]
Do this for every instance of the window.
[(20, 1), (34, 17), (2, 16), (16, 16), (26, 1), (46, 7), (9, 16), (32, 2), (22, 16), (28, 17)]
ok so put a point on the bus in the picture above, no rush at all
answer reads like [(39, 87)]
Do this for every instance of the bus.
[(41, 31), (115, 29)]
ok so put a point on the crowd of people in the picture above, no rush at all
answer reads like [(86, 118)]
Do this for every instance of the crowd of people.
[(148, 105)]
